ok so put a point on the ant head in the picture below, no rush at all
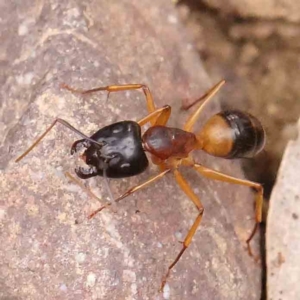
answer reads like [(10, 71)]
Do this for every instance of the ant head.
[(115, 149)]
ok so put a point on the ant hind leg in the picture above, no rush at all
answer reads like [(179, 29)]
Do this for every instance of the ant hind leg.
[(230, 179)]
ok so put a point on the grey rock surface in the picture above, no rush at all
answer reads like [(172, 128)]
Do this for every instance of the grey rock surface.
[(122, 254), (283, 231)]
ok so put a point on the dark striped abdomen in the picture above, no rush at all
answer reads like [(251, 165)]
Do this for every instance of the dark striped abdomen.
[(232, 134), (248, 133)]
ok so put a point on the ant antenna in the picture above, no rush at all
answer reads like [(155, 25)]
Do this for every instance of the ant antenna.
[(66, 124)]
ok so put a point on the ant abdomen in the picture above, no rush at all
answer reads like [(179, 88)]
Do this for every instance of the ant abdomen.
[(232, 134)]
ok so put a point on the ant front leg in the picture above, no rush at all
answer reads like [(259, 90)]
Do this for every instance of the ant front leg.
[(118, 88), (158, 117), (226, 178), (66, 124), (129, 192)]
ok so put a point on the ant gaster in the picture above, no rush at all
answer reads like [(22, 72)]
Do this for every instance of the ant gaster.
[(118, 150)]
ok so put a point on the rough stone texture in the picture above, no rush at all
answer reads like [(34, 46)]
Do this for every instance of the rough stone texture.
[(122, 254), (283, 231), (260, 61), (267, 9)]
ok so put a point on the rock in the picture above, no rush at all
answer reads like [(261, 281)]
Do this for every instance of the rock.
[(283, 228), (43, 253)]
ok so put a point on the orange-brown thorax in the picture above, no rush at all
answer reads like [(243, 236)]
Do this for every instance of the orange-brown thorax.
[(166, 142)]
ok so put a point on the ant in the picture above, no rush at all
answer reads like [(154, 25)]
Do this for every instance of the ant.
[(118, 150)]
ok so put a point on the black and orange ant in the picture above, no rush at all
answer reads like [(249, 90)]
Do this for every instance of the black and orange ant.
[(118, 150)]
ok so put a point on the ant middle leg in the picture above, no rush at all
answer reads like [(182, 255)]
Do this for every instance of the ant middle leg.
[(118, 88), (188, 239)]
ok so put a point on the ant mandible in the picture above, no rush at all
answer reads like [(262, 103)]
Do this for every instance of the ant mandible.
[(118, 150)]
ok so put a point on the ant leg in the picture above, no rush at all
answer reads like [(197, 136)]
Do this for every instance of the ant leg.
[(194, 116), (129, 192), (66, 124), (226, 178), (118, 88), (188, 239), (159, 117), (83, 187), (203, 97)]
